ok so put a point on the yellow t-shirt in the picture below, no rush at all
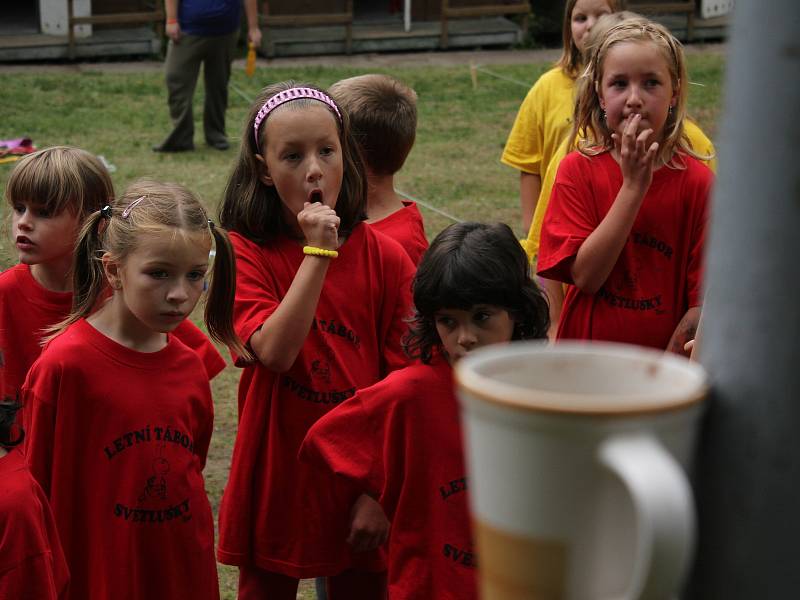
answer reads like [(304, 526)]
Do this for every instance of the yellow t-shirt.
[(543, 121), (697, 139)]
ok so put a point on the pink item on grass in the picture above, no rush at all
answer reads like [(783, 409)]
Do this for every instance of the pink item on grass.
[(17, 146)]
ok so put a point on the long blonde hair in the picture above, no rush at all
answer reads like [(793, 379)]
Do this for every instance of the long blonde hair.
[(589, 126), (152, 207)]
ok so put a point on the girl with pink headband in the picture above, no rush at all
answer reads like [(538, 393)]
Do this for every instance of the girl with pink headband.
[(320, 303)]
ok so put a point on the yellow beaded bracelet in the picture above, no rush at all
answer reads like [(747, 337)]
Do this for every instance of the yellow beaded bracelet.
[(314, 251)]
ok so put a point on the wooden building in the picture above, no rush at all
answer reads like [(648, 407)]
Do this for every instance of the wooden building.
[(79, 29), (40, 29)]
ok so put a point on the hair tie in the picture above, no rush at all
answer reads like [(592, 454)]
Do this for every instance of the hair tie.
[(105, 212), (295, 93), (126, 213)]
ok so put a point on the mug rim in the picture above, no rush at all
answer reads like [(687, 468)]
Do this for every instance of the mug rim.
[(469, 379)]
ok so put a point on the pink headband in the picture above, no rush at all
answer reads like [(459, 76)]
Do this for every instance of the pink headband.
[(285, 96)]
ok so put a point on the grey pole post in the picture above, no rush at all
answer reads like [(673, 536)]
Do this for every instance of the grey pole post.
[(748, 470)]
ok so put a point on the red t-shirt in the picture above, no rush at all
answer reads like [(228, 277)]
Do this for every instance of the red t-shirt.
[(27, 308), (32, 564), (401, 439), (657, 277), (276, 513), (118, 440), (406, 227)]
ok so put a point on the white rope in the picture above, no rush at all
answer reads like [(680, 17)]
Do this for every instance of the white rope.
[(429, 207), (527, 86)]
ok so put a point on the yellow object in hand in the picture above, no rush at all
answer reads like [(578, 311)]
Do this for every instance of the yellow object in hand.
[(250, 67)]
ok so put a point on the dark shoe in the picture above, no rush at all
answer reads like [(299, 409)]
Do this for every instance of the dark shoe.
[(221, 145), (163, 148)]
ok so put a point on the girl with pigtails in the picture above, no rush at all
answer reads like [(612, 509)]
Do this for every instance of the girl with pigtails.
[(321, 300), (119, 410)]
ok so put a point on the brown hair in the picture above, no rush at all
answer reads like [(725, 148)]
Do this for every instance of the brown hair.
[(383, 116), (159, 207), (61, 178), (572, 61), (589, 126), (254, 210)]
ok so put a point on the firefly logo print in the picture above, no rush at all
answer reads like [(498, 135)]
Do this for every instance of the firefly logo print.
[(321, 369), (156, 486), (156, 503)]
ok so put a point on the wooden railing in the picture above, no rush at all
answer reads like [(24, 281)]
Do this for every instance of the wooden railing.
[(688, 8), (155, 16), (486, 10), (308, 20)]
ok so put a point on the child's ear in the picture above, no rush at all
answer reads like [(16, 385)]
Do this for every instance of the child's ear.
[(111, 269), (599, 95), (264, 175), (676, 92)]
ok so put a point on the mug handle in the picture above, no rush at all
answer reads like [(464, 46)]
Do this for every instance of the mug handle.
[(665, 519)]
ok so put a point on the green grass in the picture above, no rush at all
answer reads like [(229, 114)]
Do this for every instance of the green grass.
[(454, 165)]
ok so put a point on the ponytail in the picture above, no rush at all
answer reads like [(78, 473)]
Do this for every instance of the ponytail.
[(221, 294), (88, 276), (149, 207)]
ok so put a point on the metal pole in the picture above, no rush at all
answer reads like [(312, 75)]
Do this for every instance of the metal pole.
[(748, 470)]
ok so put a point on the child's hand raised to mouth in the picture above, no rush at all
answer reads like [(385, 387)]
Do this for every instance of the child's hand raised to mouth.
[(320, 225), (635, 156)]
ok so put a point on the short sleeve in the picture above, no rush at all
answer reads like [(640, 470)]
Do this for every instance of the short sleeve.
[(548, 181), (700, 143), (525, 144), (346, 442), (256, 298), (570, 218), (198, 342)]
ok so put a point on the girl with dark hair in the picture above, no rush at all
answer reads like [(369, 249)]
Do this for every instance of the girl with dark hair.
[(32, 562), (119, 410), (320, 302), (400, 440)]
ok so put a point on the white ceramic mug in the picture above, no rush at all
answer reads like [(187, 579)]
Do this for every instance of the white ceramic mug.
[(576, 457)]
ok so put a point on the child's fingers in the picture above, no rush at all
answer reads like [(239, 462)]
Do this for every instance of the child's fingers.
[(361, 541), (650, 157), (353, 539), (628, 143), (631, 126), (315, 212), (643, 135)]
